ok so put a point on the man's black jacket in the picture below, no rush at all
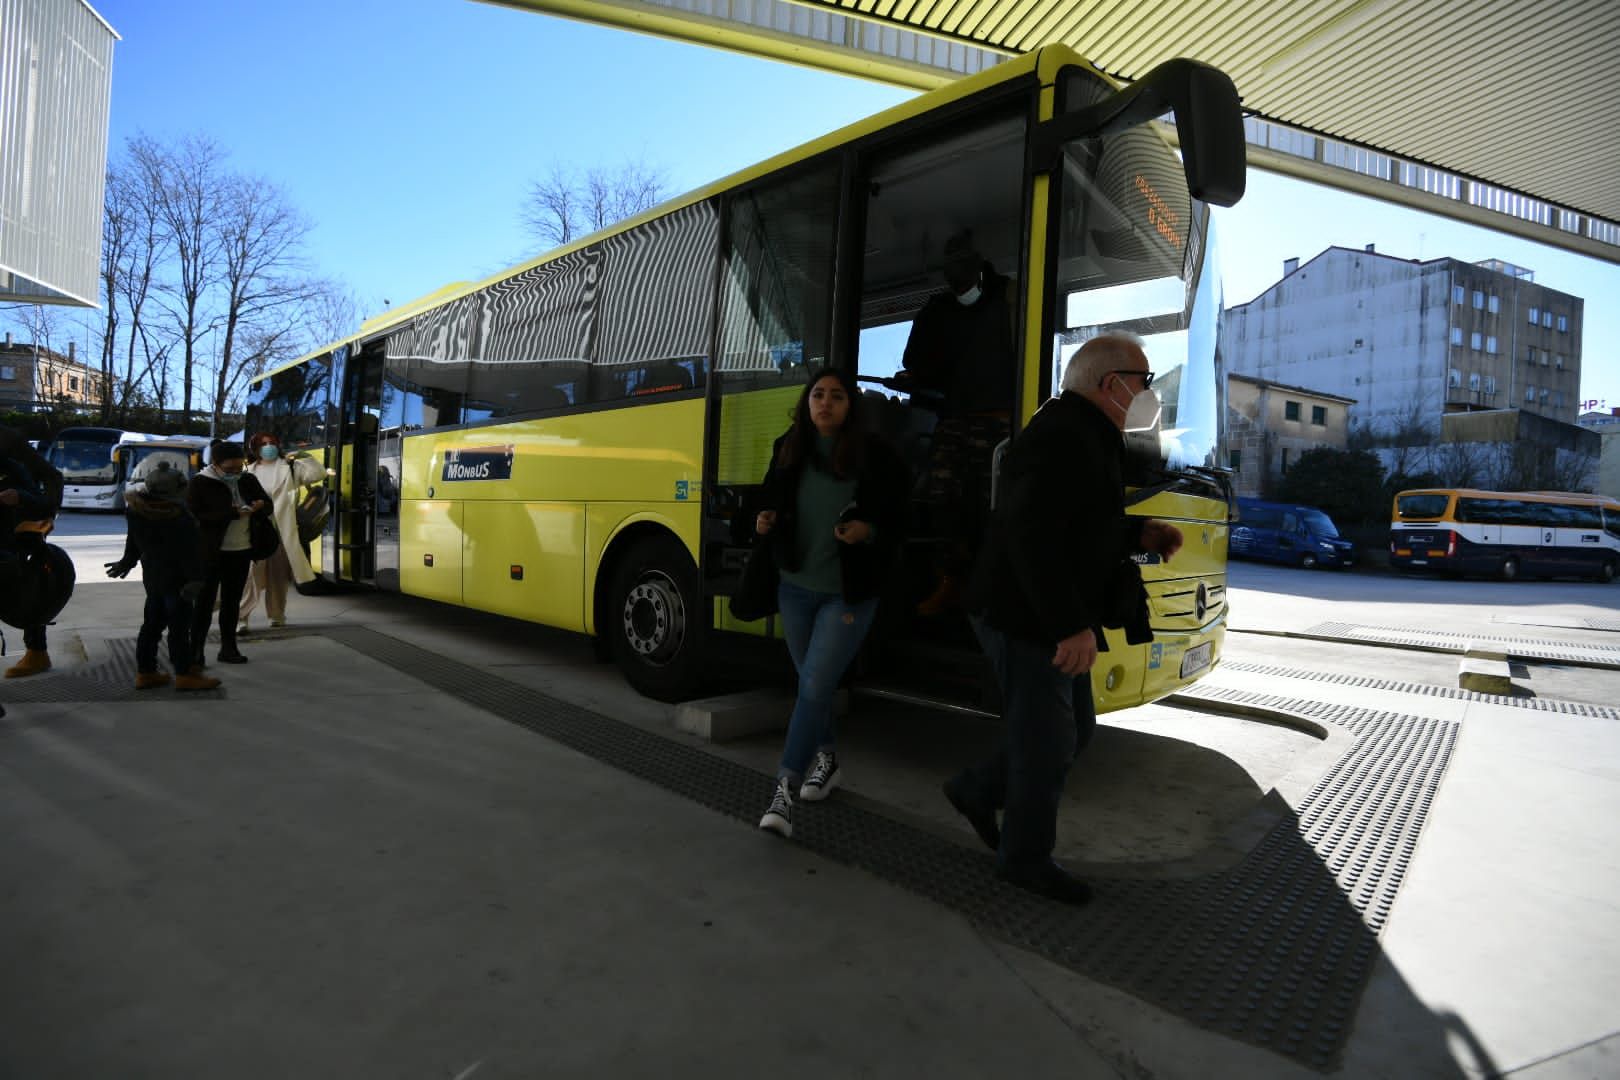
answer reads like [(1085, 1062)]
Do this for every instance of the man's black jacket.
[(1057, 558), (164, 539), (966, 351)]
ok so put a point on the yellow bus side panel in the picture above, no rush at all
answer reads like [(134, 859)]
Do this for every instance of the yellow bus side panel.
[(526, 560), (430, 548)]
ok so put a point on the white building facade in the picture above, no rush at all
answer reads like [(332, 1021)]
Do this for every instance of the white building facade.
[(1410, 341)]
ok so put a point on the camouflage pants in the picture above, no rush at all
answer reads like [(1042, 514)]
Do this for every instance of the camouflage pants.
[(958, 481)]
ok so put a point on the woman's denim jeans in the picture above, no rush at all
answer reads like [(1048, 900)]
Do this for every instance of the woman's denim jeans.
[(823, 635)]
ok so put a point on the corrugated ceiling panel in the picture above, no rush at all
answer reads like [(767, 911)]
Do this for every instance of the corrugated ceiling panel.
[(1520, 93)]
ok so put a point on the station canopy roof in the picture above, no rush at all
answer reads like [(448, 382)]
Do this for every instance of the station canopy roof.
[(1499, 112)]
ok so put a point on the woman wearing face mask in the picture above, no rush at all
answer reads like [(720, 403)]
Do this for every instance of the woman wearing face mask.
[(834, 509), (222, 498), (282, 478)]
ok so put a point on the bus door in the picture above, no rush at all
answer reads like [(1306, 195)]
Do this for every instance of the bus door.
[(348, 548)]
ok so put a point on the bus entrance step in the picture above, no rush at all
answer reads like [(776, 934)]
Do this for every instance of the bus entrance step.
[(1485, 676), (734, 716)]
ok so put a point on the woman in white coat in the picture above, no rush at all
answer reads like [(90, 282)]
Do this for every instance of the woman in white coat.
[(282, 478)]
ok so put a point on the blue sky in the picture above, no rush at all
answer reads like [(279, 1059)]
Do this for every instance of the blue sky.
[(409, 130)]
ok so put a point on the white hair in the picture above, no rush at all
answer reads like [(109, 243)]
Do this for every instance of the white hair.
[(1106, 352)]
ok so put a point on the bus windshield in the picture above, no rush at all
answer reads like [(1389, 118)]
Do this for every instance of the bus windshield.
[(83, 461), (1428, 506), (1134, 255)]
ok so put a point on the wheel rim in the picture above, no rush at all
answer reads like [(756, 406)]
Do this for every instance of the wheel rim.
[(654, 618), (1309, 562)]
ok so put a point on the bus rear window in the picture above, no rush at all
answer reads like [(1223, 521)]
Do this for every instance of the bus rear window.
[(1411, 507)]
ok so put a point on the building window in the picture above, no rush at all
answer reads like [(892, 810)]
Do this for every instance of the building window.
[(1456, 377), (1456, 335), (1319, 415), (1476, 340), (1529, 393), (1535, 315), (1490, 345), (1358, 343), (1490, 386), (1459, 295), (1558, 398), (1473, 380), (1558, 361), (1546, 319), (1291, 410), (1479, 299), (73, 383), (1563, 324), (1545, 394), (1545, 356), (8, 373), (1234, 460), (1494, 304), (1530, 355)]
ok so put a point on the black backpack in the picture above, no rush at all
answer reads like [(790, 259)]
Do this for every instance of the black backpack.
[(36, 582)]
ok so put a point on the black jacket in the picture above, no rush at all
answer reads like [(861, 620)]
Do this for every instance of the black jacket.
[(37, 482), (966, 353), (164, 539), (882, 488), (209, 501), (1057, 557)]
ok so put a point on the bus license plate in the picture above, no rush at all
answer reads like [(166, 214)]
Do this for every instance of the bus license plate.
[(1197, 658)]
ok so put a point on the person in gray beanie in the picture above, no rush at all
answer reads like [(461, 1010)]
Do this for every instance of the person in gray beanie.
[(163, 538)]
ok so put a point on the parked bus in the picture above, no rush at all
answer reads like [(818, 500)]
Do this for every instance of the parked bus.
[(1507, 534), (572, 442), (85, 457), (136, 454)]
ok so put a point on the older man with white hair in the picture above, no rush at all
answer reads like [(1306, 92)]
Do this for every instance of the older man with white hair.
[(1054, 571)]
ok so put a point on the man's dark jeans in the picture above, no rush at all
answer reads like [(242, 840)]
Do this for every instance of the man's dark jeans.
[(34, 638), (1047, 717), (165, 611)]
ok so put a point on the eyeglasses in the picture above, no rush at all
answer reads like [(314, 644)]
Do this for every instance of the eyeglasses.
[(1147, 377)]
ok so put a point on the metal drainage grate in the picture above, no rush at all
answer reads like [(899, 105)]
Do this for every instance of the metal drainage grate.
[(1604, 656), (1571, 708), (1275, 951)]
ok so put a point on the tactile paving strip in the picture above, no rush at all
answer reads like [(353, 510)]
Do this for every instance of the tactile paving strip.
[(1570, 708), (1275, 951), (1606, 656)]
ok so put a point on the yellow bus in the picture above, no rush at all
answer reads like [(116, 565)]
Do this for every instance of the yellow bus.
[(1506, 534), (570, 442)]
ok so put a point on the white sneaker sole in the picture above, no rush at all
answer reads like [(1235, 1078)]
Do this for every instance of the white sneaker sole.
[(816, 794), (778, 824)]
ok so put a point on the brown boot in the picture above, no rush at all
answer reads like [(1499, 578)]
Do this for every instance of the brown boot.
[(195, 680), (151, 680), (947, 595), (33, 662)]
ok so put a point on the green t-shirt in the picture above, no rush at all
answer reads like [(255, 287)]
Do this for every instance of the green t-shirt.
[(822, 500)]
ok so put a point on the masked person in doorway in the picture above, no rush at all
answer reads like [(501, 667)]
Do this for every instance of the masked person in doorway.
[(1056, 570), (960, 355), (283, 477), (222, 498)]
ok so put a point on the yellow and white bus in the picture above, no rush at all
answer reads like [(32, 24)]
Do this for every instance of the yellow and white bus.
[(570, 442), (1506, 534)]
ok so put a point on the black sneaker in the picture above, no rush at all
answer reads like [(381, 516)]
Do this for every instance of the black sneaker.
[(1049, 880), (981, 817), (779, 818), (824, 775)]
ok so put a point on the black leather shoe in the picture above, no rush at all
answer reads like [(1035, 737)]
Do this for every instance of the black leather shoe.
[(1050, 881), (232, 658), (981, 817)]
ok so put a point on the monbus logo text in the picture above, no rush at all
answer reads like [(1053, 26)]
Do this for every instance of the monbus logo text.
[(478, 463)]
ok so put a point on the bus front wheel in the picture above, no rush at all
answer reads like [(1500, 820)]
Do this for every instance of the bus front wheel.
[(654, 624), (1608, 570), (1510, 568)]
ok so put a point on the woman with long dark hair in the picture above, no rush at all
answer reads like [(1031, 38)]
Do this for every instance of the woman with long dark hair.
[(223, 500), (833, 515)]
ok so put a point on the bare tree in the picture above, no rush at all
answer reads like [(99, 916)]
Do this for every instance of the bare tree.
[(184, 182), (258, 237), (565, 204)]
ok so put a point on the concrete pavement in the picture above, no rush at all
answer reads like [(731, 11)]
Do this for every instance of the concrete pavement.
[(335, 868)]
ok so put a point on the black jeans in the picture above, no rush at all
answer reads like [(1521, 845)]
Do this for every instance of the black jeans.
[(165, 611), (1047, 717), (34, 638), (226, 577)]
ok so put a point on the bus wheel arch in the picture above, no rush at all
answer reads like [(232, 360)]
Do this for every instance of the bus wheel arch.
[(648, 612)]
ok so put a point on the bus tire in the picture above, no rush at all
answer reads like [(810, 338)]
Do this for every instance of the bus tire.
[(1608, 571), (1509, 569), (653, 622)]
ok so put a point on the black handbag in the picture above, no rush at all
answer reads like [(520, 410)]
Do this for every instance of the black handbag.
[(264, 539), (755, 597), (314, 507)]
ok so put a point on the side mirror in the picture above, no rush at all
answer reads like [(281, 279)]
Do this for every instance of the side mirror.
[(1209, 125)]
